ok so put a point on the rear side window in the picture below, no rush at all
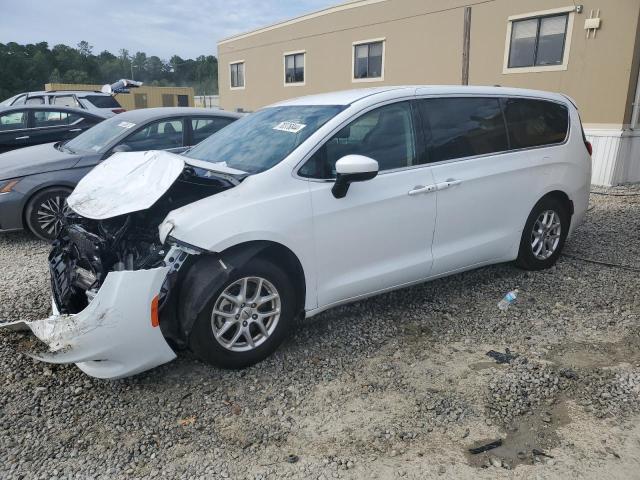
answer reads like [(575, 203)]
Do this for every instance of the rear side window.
[(103, 101), (65, 101), (535, 123), (51, 118), (204, 127), (463, 127)]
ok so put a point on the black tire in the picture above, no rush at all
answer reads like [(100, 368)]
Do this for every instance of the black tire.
[(202, 341), (526, 257), (42, 200)]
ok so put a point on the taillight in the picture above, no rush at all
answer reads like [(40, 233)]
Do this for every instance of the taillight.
[(118, 110), (587, 143)]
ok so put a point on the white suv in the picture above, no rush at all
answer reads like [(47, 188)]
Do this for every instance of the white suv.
[(303, 206), (97, 102)]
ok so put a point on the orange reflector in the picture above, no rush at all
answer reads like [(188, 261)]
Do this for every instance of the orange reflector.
[(155, 319)]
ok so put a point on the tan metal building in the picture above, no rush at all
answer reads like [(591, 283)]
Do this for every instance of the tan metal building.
[(589, 50), (141, 97)]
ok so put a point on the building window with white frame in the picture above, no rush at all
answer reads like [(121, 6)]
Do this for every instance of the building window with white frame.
[(368, 60), (538, 41), (237, 75), (294, 68)]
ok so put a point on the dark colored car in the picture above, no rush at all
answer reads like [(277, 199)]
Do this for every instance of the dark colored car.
[(26, 125), (35, 181)]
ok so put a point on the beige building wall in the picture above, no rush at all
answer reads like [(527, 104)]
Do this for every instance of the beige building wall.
[(153, 95), (423, 45)]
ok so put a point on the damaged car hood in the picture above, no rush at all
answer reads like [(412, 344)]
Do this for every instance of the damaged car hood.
[(124, 183), (132, 181)]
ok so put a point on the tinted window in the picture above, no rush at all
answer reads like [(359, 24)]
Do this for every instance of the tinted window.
[(103, 101), (259, 141), (385, 134), (204, 127), (160, 135), (533, 123), (13, 121), (463, 127)]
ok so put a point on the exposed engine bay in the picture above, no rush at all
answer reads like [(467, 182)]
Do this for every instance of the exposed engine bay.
[(88, 249)]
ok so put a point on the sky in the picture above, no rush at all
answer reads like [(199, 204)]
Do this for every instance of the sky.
[(188, 28)]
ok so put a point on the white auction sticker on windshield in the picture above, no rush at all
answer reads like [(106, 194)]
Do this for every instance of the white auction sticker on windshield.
[(126, 124), (291, 127)]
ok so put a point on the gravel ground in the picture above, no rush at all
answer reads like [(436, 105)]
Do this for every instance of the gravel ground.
[(398, 386)]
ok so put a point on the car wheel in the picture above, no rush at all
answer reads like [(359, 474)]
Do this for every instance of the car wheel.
[(45, 212), (247, 318), (544, 235)]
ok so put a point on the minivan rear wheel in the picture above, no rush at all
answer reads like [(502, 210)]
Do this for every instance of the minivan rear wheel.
[(544, 235), (247, 318)]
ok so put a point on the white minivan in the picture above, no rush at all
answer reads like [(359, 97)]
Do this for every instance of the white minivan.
[(302, 206)]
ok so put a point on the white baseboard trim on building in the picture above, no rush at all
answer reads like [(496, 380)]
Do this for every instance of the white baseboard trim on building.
[(616, 156)]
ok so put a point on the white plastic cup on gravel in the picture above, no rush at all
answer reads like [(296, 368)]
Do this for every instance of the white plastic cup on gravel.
[(507, 300)]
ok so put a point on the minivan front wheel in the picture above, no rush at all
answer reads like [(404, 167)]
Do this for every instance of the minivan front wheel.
[(544, 235), (247, 319)]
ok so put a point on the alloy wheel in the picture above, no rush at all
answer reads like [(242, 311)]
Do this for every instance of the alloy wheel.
[(245, 314), (51, 214), (546, 234)]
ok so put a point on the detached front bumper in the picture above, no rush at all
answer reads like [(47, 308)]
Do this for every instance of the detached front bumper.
[(113, 337)]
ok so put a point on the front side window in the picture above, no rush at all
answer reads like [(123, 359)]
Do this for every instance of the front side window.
[(463, 127), (385, 134), (237, 75), (259, 141), (535, 123), (294, 68), (13, 121), (367, 59), (161, 135), (537, 42)]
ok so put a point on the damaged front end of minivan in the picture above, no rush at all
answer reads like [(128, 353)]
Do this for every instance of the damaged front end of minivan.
[(114, 266)]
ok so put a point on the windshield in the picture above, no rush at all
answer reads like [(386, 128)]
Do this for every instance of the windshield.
[(102, 135), (263, 139)]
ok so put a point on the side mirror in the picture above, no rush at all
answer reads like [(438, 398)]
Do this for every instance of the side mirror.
[(353, 168), (123, 147)]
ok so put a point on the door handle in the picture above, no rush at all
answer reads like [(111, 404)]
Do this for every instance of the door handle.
[(418, 189), (22, 138), (452, 182)]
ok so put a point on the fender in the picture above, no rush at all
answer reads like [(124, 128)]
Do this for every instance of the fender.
[(203, 279)]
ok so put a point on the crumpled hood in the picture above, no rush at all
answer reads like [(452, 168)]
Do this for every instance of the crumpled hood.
[(37, 159), (126, 182)]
